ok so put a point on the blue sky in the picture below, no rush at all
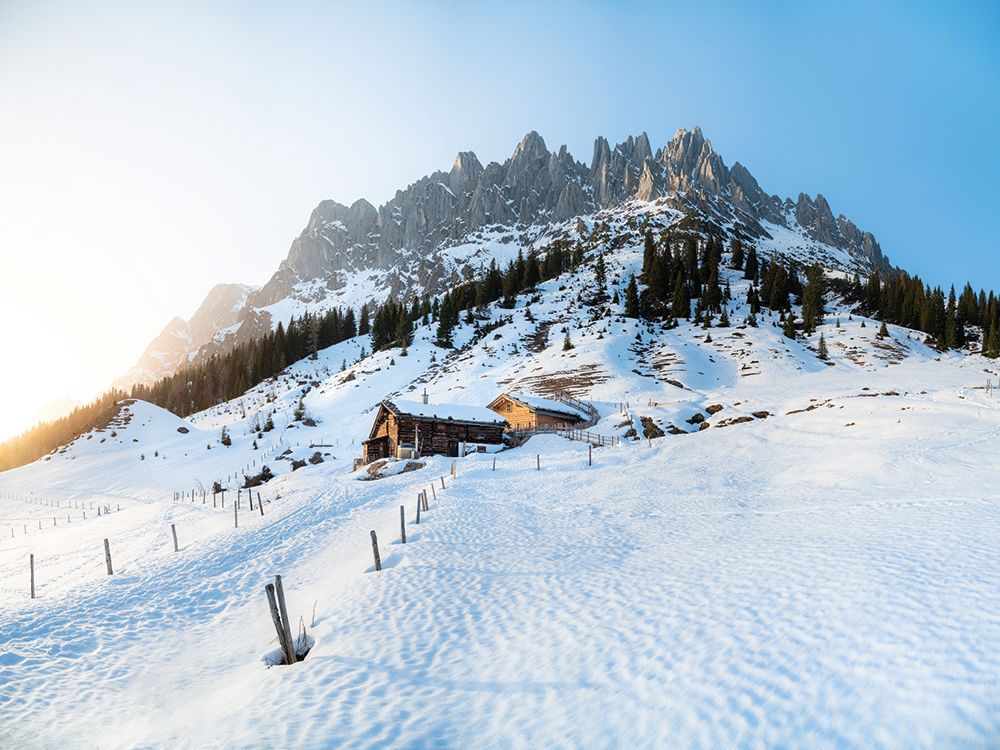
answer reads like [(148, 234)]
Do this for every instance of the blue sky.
[(150, 151)]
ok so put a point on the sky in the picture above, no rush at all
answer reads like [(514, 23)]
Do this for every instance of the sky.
[(149, 151)]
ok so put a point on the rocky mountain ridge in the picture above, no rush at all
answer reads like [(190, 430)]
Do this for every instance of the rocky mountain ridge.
[(447, 226)]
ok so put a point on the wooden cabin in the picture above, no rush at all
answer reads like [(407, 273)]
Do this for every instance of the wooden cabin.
[(524, 412), (405, 428)]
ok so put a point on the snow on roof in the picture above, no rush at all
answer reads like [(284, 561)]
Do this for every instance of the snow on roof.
[(456, 412), (547, 404)]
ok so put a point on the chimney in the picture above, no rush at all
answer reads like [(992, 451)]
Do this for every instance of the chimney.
[(425, 396)]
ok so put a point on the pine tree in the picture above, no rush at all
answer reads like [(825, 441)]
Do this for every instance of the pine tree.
[(751, 268), (600, 271), (737, 249), (224, 438), (532, 275), (648, 255), (812, 299), (363, 326), (883, 332), (788, 329), (632, 296), (567, 344), (823, 354), (680, 306)]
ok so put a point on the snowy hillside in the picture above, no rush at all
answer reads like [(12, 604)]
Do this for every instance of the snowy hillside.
[(806, 557)]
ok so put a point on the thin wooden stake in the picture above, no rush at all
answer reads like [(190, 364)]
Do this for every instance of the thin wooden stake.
[(107, 556), (272, 604), (442, 483), (31, 562), (378, 559), (434, 492), (590, 455), (279, 591), (402, 524), (260, 504), (236, 516), (538, 462), (494, 463), (173, 530), (418, 509)]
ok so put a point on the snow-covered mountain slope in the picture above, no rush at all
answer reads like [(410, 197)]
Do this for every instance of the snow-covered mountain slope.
[(819, 566), (181, 341), (446, 228)]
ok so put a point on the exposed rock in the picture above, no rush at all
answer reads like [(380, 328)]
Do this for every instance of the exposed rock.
[(714, 408), (650, 429)]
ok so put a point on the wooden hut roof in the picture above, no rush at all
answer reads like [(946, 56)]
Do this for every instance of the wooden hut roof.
[(546, 406), (453, 413)]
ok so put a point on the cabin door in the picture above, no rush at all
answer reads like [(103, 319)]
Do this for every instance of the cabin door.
[(452, 447)]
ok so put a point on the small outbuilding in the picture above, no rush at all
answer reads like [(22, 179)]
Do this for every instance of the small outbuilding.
[(524, 412), (408, 429)]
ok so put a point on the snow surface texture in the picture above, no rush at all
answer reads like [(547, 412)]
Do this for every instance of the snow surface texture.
[(818, 568)]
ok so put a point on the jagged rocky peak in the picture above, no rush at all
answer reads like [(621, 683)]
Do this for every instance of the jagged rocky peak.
[(465, 173), (538, 186), (816, 217), (404, 243)]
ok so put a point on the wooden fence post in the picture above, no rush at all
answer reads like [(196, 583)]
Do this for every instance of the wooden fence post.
[(31, 562), (590, 455), (173, 530), (418, 508), (236, 516), (279, 590), (276, 619), (442, 483), (427, 505), (260, 505), (402, 524), (107, 556), (378, 559), (538, 462)]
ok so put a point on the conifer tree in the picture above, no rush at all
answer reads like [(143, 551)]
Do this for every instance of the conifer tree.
[(532, 275), (648, 254), (737, 250), (812, 299), (363, 326), (788, 329), (632, 296), (751, 268), (680, 305), (823, 353)]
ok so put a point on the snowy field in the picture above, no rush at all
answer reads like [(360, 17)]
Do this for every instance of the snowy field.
[(702, 592), (818, 568)]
